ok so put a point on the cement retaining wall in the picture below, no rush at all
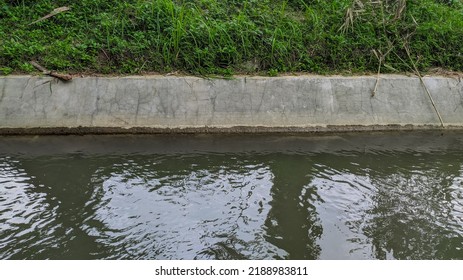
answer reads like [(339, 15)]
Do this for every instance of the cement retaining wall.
[(157, 103)]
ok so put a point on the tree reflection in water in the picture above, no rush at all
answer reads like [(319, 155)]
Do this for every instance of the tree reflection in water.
[(334, 199), (293, 223)]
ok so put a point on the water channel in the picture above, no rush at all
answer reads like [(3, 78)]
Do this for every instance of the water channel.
[(347, 196)]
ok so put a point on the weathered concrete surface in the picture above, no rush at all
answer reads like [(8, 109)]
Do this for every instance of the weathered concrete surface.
[(295, 103)]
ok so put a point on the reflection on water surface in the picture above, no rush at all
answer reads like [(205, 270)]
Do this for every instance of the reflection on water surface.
[(366, 196)]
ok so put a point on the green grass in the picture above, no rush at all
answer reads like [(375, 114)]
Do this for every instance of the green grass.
[(227, 37)]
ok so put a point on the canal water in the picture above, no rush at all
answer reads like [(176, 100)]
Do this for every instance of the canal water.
[(350, 196)]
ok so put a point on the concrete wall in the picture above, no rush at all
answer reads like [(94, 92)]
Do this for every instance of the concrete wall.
[(295, 103)]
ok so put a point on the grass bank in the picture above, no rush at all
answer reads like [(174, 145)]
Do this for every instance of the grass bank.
[(232, 36)]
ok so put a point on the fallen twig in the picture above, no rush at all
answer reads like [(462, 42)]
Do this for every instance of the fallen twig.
[(380, 61), (381, 58), (53, 13), (63, 77), (417, 72)]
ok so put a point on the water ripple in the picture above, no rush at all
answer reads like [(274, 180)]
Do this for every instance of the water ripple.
[(366, 199), (179, 213)]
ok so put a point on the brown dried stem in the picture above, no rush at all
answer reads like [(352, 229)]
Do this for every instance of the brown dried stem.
[(63, 77)]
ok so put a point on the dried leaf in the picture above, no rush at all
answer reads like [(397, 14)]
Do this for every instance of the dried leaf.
[(53, 13)]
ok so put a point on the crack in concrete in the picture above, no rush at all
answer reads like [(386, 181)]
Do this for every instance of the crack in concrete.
[(95, 112), (3, 91), (185, 80), (461, 97), (264, 91), (213, 99), (51, 89), (283, 113), (48, 81), (96, 104), (121, 120), (175, 104), (25, 88), (163, 106), (137, 110)]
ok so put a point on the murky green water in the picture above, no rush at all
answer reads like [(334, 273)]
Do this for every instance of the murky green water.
[(366, 196)]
